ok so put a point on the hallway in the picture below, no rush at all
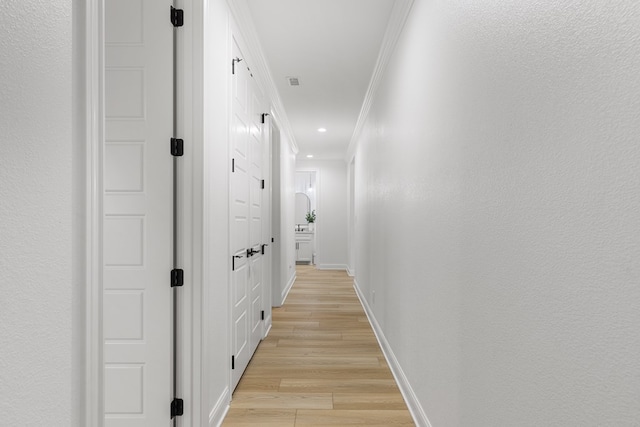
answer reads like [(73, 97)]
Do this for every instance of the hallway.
[(320, 363), (477, 173)]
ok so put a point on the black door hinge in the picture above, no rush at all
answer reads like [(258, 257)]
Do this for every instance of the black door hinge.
[(262, 315), (273, 240), (262, 184), (177, 147), (177, 17), (177, 407), (233, 165), (233, 64), (263, 117), (177, 277), (233, 362)]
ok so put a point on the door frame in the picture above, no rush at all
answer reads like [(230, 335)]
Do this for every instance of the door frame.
[(317, 243), (267, 272), (235, 39), (90, 66), (94, 212)]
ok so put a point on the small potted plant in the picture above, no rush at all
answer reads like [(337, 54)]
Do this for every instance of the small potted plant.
[(311, 219)]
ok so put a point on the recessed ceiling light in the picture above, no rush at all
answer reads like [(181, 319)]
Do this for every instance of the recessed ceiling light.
[(309, 156), (322, 130)]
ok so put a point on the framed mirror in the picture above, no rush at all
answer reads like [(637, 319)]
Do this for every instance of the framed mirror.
[(303, 205)]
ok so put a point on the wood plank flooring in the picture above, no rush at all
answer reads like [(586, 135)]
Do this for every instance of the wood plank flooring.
[(320, 365)]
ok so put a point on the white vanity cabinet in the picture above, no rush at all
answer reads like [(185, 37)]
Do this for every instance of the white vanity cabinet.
[(304, 246)]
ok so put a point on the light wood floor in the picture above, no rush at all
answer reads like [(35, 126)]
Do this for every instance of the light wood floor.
[(320, 365)]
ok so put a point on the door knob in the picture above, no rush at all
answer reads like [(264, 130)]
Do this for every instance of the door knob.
[(233, 261), (251, 252)]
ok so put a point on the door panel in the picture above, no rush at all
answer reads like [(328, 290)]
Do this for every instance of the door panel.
[(255, 147), (240, 221), (267, 258), (246, 226), (138, 208), (305, 251), (256, 155)]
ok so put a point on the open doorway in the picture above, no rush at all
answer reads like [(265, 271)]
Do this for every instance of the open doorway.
[(306, 205)]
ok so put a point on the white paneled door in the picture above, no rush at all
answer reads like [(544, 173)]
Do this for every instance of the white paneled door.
[(246, 228), (256, 188), (138, 213)]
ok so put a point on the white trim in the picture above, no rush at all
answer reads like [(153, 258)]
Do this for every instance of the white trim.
[(416, 410), (268, 324), (220, 409), (285, 292), (94, 36), (242, 17), (350, 272), (333, 267), (399, 14), (191, 212)]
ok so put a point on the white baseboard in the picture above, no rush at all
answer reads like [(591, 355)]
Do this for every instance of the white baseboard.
[(416, 410), (219, 411), (286, 290), (350, 272), (331, 266), (269, 323)]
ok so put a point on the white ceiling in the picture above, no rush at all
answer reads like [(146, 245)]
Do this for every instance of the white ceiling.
[(332, 47)]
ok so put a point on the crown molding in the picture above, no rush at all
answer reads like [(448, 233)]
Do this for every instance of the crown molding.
[(397, 19), (242, 16)]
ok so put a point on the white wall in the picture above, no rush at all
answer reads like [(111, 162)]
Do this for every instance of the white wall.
[(216, 328), (283, 218), (41, 223), (332, 203), (351, 218), (276, 222), (287, 214), (498, 209)]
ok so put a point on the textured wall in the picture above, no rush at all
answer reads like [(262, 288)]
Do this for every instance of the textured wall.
[(331, 232), (498, 206), (36, 372)]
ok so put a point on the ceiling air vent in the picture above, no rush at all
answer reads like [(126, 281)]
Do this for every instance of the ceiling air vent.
[(293, 81)]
